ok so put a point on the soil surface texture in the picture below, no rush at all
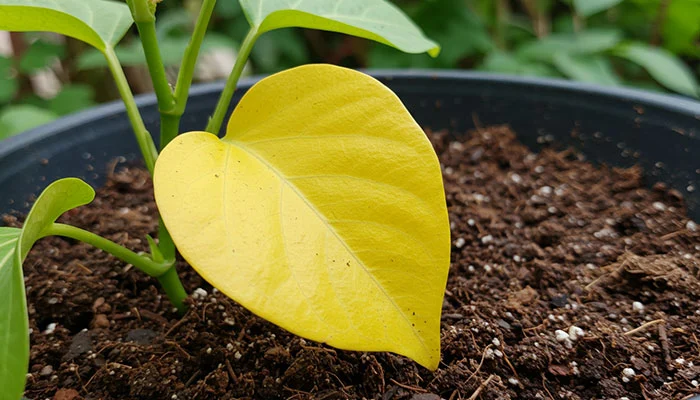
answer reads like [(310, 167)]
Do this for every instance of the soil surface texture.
[(568, 281)]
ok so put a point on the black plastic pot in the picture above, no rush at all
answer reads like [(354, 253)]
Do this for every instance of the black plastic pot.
[(619, 127)]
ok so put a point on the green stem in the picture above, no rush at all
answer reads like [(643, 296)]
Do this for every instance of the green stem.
[(189, 61), (165, 271), (154, 61), (169, 119), (144, 139), (173, 289), (217, 118), (141, 262)]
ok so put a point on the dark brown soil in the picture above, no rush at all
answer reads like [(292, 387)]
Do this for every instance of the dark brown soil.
[(550, 257)]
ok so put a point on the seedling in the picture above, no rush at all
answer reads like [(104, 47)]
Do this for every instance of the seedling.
[(321, 209)]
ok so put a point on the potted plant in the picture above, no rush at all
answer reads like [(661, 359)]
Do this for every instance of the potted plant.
[(278, 241), (438, 102)]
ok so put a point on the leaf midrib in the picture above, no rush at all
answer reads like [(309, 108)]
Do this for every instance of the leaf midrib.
[(285, 181)]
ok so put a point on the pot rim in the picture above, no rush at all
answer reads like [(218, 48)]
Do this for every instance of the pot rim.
[(670, 102)]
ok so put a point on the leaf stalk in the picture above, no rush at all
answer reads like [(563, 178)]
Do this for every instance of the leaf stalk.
[(217, 119)]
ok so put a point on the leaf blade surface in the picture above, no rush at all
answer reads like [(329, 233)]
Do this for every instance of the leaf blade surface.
[(322, 210), (100, 23), (377, 20)]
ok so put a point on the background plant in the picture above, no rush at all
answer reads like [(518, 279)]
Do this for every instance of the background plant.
[(650, 44)]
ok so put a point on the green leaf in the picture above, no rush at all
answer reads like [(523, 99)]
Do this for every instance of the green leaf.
[(14, 322), (317, 212), (506, 63), (595, 69), (57, 198), (377, 20), (40, 55), (72, 98), (589, 7), (15, 119), (100, 23), (662, 65), (681, 31), (8, 81), (586, 42)]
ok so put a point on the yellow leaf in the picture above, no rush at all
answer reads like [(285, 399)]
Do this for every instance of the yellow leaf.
[(321, 210)]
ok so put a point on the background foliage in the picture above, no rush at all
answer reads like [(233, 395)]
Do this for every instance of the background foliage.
[(651, 44)]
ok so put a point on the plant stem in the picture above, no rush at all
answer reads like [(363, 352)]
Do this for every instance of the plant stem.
[(217, 118), (165, 272), (169, 119), (143, 137), (143, 263), (189, 60), (173, 289)]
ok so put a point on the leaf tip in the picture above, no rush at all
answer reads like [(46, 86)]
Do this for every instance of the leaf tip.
[(435, 51)]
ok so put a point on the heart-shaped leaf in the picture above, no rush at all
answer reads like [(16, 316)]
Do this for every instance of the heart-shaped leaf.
[(321, 210), (377, 20), (100, 23), (14, 323), (57, 198)]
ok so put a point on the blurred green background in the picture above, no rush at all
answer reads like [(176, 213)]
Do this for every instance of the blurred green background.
[(649, 44)]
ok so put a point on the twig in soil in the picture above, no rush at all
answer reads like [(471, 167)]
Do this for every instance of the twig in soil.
[(505, 357), (697, 344), (180, 349), (408, 387), (617, 272), (481, 387), (663, 337), (476, 371), (674, 234), (376, 363), (193, 377), (176, 325), (230, 371), (644, 326), (135, 310), (544, 385), (644, 392)]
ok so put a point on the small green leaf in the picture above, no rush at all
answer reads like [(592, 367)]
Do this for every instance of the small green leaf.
[(594, 69), (589, 7), (100, 23), (72, 98), (14, 323), (506, 63), (59, 197), (377, 20), (586, 42), (40, 55), (16, 119), (662, 65)]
